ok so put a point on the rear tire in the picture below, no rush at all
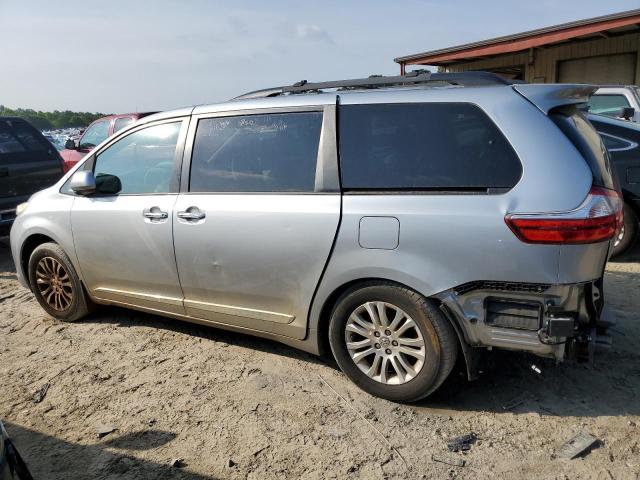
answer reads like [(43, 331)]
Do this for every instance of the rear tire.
[(629, 234), (402, 361), (56, 284)]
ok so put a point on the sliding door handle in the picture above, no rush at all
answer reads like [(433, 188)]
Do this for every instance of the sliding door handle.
[(191, 213)]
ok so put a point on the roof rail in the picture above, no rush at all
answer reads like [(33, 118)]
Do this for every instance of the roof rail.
[(416, 77)]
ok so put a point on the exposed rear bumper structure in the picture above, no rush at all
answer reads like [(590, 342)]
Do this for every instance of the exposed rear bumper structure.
[(549, 320)]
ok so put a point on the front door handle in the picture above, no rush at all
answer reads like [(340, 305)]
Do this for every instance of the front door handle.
[(154, 213), (191, 213)]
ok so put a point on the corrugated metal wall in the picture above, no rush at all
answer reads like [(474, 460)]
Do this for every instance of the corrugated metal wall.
[(540, 64)]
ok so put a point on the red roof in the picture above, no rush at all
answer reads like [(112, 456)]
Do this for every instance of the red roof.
[(613, 24)]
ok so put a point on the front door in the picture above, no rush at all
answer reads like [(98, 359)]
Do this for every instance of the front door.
[(123, 237), (254, 232)]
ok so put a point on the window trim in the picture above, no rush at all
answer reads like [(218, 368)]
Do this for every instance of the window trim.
[(177, 159), (457, 191), (630, 144), (327, 180)]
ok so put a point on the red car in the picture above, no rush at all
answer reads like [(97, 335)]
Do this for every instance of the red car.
[(95, 133)]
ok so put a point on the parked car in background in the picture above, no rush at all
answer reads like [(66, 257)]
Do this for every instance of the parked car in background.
[(12, 467), (474, 215), (28, 163), (622, 139), (618, 101), (96, 133)]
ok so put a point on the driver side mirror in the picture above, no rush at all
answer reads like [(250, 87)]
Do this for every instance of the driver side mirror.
[(70, 144), (626, 113), (108, 184), (83, 182)]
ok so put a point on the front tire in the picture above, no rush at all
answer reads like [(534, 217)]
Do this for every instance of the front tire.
[(392, 342), (56, 284)]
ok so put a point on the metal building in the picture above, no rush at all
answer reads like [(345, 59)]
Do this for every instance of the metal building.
[(601, 50)]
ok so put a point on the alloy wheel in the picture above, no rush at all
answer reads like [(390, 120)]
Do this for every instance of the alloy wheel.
[(54, 283), (385, 343), (619, 237)]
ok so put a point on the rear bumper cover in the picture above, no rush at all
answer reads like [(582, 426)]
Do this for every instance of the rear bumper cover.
[(549, 320)]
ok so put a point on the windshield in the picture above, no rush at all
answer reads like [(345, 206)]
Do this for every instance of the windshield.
[(95, 134)]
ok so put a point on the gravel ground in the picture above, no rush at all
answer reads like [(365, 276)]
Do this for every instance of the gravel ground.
[(233, 406)]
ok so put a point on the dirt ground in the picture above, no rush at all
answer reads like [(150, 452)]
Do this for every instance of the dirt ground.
[(233, 406)]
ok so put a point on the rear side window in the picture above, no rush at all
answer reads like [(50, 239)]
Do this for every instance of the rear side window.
[(429, 146), (256, 153), (585, 138), (120, 123)]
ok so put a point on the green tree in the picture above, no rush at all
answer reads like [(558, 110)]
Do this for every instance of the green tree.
[(51, 120)]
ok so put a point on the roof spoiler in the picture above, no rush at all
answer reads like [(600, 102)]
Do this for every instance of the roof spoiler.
[(548, 96)]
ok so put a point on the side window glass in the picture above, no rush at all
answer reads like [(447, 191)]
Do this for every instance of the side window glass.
[(143, 161), (95, 134), (256, 153), (430, 146), (120, 123), (608, 105), (9, 143)]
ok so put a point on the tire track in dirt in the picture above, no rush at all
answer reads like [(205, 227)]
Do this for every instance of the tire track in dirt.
[(183, 391)]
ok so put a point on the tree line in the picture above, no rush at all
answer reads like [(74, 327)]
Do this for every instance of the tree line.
[(51, 120)]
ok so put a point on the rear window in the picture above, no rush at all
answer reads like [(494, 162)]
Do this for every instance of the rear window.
[(17, 136), (430, 146), (9, 143), (585, 138), (29, 137)]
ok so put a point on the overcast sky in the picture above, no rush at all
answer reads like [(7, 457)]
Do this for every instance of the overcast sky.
[(126, 55)]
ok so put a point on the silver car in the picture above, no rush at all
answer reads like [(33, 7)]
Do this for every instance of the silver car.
[(396, 222)]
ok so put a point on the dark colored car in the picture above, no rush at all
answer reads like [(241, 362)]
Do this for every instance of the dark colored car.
[(622, 139), (28, 163), (12, 467), (95, 134)]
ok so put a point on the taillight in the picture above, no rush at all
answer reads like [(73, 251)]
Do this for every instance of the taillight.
[(597, 219)]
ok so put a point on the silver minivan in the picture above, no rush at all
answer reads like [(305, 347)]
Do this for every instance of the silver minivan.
[(400, 223)]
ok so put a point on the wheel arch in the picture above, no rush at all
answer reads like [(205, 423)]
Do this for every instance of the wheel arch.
[(331, 301), (32, 242)]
